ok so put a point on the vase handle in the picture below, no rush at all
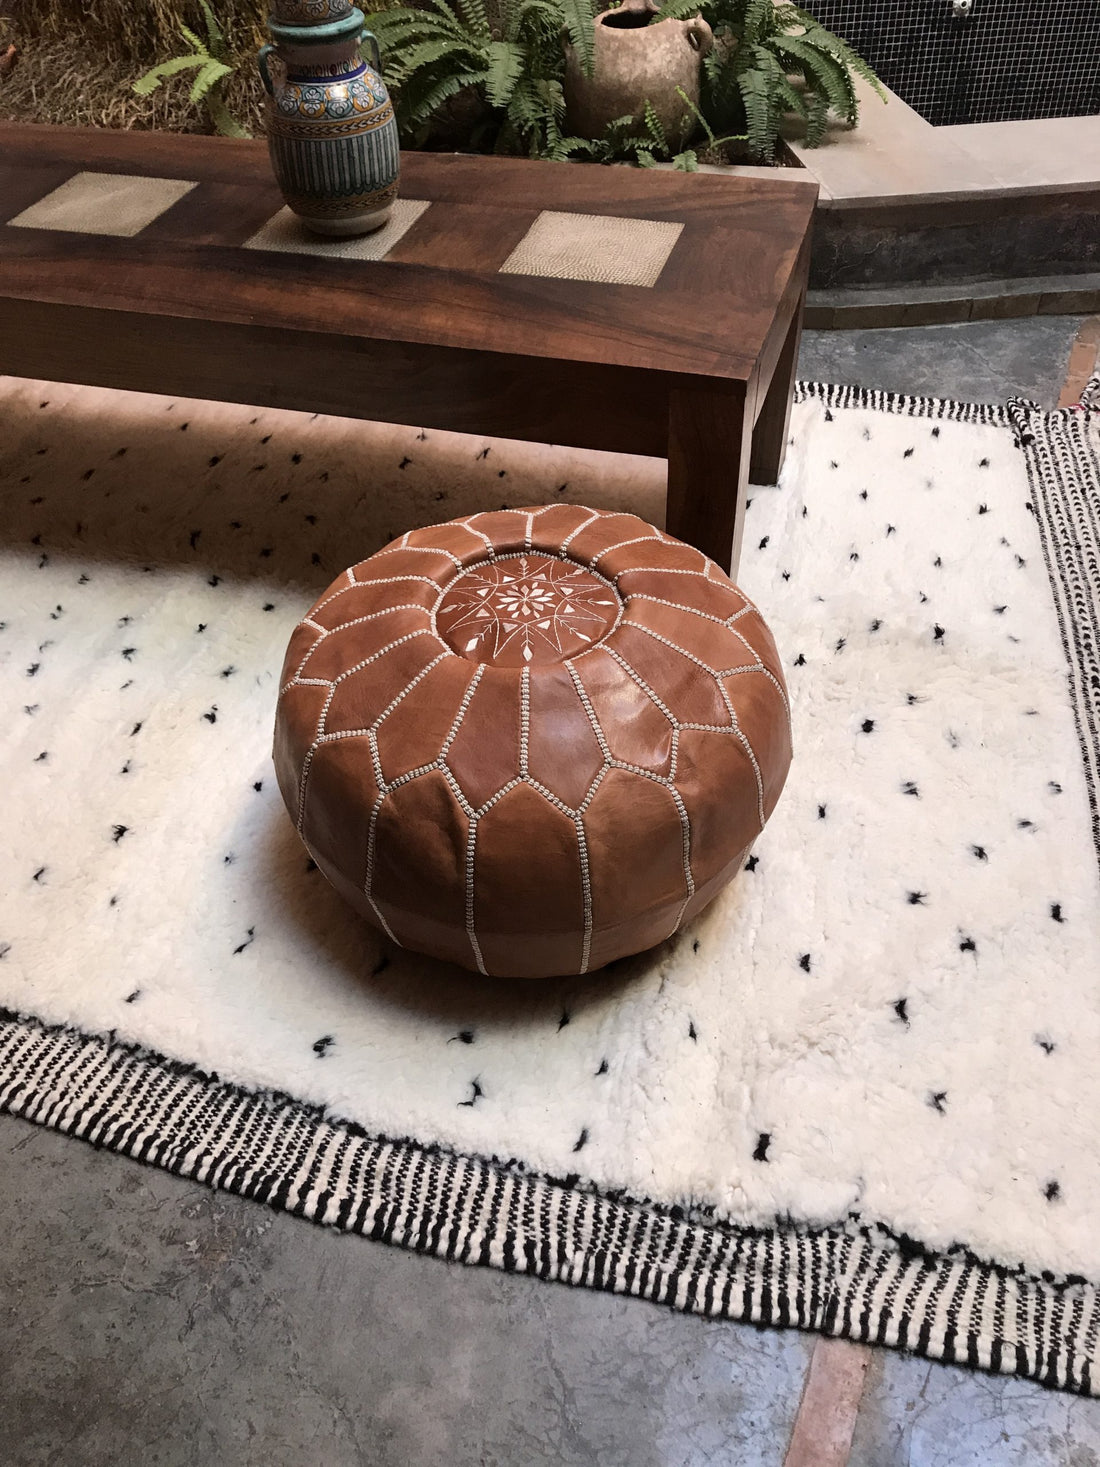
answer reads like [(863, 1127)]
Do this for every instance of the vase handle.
[(700, 36), (376, 55), (261, 61)]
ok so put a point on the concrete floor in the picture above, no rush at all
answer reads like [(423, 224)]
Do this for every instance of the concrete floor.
[(147, 1322)]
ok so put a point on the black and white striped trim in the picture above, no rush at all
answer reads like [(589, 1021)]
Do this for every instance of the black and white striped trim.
[(858, 1281), (839, 395), (1064, 471)]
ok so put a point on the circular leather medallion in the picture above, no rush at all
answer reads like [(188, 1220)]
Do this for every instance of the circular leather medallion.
[(523, 610)]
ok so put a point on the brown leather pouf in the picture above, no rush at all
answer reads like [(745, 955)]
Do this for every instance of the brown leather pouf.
[(532, 741)]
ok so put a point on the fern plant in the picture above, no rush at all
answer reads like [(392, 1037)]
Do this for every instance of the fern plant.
[(211, 63), (628, 140), (770, 60), (446, 47)]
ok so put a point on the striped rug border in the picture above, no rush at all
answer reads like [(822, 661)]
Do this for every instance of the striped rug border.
[(1064, 472), (842, 395), (858, 1282)]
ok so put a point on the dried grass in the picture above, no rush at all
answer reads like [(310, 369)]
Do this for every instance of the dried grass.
[(75, 82), (78, 60), (51, 83), (140, 31)]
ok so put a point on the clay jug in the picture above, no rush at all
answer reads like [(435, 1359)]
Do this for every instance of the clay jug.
[(636, 62), (330, 125)]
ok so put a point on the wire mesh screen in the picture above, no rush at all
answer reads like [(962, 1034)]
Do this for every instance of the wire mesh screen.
[(957, 61)]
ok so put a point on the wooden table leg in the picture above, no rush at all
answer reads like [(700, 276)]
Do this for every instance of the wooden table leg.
[(769, 442), (709, 438)]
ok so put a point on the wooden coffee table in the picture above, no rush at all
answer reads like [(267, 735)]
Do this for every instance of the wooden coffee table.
[(613, 308)]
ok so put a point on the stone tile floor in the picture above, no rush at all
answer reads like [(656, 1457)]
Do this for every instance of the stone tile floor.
[(147, 1322), (978, 361)]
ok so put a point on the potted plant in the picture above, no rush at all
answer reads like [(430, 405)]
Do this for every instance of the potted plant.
[(766, 63)]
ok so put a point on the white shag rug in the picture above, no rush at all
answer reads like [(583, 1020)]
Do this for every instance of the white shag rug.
[(857, 1096)]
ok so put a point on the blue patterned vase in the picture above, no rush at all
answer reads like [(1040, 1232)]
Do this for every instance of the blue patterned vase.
[(310, 12), (330, 124)]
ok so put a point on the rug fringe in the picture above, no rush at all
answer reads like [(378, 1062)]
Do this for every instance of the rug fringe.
[(860, 1284)]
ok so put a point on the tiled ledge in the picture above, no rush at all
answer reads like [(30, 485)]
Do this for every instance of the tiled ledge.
[(895, 154), (904, 204), (980, 300)]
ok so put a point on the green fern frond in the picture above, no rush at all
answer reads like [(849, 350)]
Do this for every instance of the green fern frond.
[(654, 127), (222, 118), (756, 94), (792, 98), (474, 13), (211, 64), (698, 116), (553, 99), (210, 75), (822, 71), (505, 60), (758, 21), (396, 29), (525, 109), (443, 9), (153, 78), (526, 15), (214, 34), (817, 117), (422, 97), (577, 16), (399, 23), (677, 10), (825, 40), (687, 161), (564, 148), (427, 54), (199, 47)]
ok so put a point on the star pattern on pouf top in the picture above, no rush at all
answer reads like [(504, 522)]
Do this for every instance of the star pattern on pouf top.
[(527, 608)]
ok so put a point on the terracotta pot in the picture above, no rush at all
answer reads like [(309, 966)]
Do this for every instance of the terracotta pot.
[(636, 62)]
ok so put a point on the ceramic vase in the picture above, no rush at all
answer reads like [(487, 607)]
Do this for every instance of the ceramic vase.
[(330, 124), (636, 62)]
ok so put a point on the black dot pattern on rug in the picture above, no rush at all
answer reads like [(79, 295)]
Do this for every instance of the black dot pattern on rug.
[(908, 750), (249, 939)]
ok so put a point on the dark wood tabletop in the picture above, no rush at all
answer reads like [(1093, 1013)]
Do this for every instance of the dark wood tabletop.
[(441, 331)]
